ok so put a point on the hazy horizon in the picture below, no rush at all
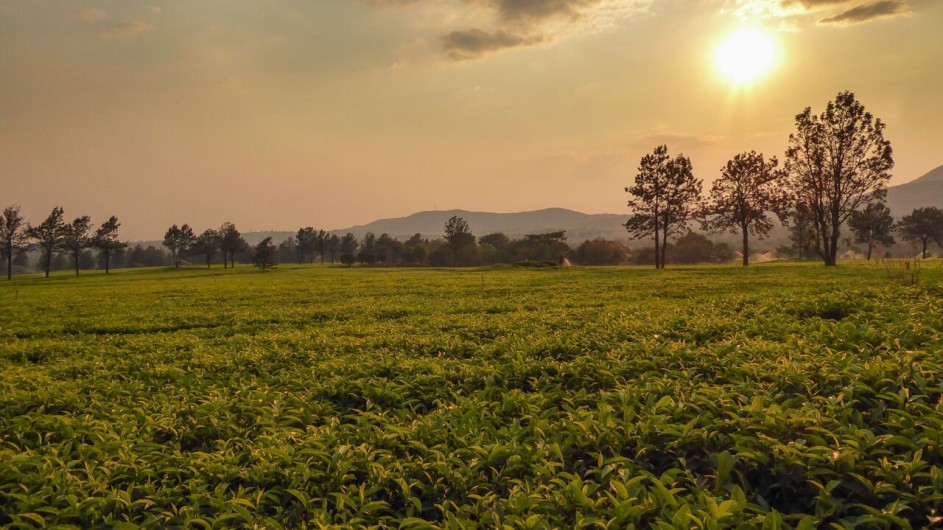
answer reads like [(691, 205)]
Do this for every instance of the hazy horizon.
[(339, 113)]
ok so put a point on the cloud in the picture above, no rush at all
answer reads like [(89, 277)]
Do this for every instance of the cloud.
[(518, 23), (122, 31), (472, 43), (89, 14), (867, 12)]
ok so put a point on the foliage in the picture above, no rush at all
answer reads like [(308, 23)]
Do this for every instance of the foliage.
[(231, 243), (692, 248), (601, 252), (709, 397), (49, 235), (837, 161), (923, 225), (106, 241), (178, 240), (458, 236), (741, 200), (75, 238), (14, 236), (664, 198), (873, 225), (265, 255), (207, 244)]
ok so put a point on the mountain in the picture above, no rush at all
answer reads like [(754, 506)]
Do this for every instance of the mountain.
[(924, 191), (578, 226)]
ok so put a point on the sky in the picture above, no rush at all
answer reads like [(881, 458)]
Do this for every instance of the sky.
[(279, 114)]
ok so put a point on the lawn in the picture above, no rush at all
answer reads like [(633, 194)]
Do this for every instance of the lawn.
[(786, 395)]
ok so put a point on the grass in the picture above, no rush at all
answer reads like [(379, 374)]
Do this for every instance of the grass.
[(781, 396)]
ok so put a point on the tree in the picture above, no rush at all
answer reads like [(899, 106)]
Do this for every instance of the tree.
[(548, 246), (368, 254), (742, 199), (75, 238), (872, 225), (601, 252), (692, 248), (207, 244), (321, 244), (305, 242), (348, 245), (801, 230), (106, 241), (923, 225), (458, 236), (178, 240), (231, 242), (664, 198), (48, 235), (265, 255), (14, 236), (333, 246), (837, 161)]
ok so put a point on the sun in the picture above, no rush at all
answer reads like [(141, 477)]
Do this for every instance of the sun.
[(746, 55)]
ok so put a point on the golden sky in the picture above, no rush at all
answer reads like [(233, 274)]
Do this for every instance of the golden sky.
[(282, 113)]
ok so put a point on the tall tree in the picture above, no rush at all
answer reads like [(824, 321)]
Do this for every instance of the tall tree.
[(207, 245), (348, 245), (801, 230), (75, 238), (14, 236), (458, 236), (837, 161), (923, 225), (321, 241), (305, 242), (231, 242), (333, 247), (178, 240), (48, 235), (873, 225), (744, 197), (664, 199), (106, 241), (265, 255)]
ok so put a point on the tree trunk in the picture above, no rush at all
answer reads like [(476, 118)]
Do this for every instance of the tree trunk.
[(75, 259), (9, 266), (870, 247), (48, 262), (107, 262), (746, 246), (924, 253)]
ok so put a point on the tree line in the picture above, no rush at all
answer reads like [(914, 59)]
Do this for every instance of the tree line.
[(836, 170)]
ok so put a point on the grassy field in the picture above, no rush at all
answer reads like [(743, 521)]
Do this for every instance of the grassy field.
[(780, 396)]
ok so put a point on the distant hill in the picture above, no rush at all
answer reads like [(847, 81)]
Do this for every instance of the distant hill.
[(924, 191), (578, 226)]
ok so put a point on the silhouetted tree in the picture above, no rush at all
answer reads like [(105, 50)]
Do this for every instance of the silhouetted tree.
[(288, 250), (458, 236), (333, 247), (106, 241), (48, 236), (265, 255), (305, 243), (348, 245), (601, 252), (178, 240), (75, 238), (692, 248), (231, 242), (837, 161), (923, 225), (802, 233), (207, 244), (386, 249), (742, 200), (873, 225), (664, 198), (14, 236), (321, 242), (367, 254)]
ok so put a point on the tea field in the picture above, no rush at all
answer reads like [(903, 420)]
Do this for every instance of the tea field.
[(784, 396)]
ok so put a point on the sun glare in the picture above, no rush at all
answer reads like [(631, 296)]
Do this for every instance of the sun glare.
[(745, 55)]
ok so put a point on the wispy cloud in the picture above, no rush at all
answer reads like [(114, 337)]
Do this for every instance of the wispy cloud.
[(517, 23), (122, 31), (867, 12), (89, 14)]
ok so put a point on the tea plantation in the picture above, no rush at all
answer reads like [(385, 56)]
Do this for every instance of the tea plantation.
[(783, 396)]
